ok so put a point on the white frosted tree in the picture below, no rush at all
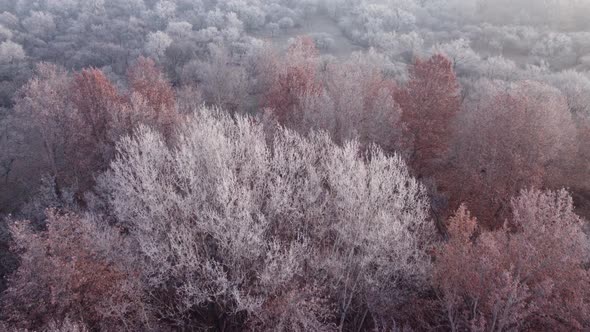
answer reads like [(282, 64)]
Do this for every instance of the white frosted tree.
[(11, 52), (576, 88), (165, 9), (298, 234), (363, 101), (40, 24), (156, 45), (42, 107), (225, 84), (5, 33), (62, 7), (179, 30), (464, 58)]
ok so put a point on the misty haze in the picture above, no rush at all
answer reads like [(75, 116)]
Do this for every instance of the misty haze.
[(294, 165)]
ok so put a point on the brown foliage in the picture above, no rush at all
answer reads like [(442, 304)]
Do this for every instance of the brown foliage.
[(152, 95), (295, 76), (79, 118), (529, 274), (97, 125), (93, 95), (510, 141), (429, 102), (71, 269)]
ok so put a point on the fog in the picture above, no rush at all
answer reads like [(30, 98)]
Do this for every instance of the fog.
[(501, 40), (294, 165)]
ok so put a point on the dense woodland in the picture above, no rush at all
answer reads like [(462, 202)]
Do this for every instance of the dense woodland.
[(294, 165)]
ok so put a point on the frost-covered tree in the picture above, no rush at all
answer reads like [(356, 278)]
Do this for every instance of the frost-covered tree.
[(460, 52), (239, 228), (179, 30), (156, 45), (43, 109), (40, 24), (575, 86), (224, 82), (11, 52), (188, 99), (364, 102), (5, 33)]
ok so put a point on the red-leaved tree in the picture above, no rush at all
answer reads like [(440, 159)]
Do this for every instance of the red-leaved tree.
[(512, 139), (528, 275), (73, 269), (429, 101), (294, 77), (98, 122), (151, 95)]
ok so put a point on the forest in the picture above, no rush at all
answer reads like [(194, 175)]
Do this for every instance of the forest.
[(294, 165)]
